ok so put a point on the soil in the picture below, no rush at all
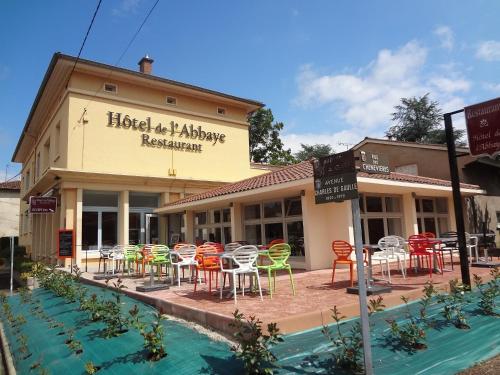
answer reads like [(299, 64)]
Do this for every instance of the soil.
[(489, 367)]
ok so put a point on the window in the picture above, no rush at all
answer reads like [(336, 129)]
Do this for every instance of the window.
[(432, 215), (99, 219), (37, 165), (27, 180), (57, 140), (171, 100), (381, 215), (111, 87), (277, 219), (213, 226), (221, 111), (46, 154)]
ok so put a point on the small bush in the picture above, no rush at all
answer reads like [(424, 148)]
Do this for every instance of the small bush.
[(153, 339), (411, 334), (254, 347)]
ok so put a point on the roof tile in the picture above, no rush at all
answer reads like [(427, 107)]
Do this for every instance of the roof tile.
[(301, 171)]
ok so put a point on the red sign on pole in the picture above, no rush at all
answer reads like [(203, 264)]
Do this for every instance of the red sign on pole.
[(483, 128), (43, 205)]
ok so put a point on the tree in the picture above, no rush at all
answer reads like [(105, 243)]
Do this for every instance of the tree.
[(313, 151), (420, 120), (265, 143)]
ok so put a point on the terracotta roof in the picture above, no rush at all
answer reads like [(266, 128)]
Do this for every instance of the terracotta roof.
[(10, 185), (302, 171)]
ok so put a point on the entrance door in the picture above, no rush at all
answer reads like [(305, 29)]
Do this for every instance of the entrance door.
[(152, 232), (134, 228)]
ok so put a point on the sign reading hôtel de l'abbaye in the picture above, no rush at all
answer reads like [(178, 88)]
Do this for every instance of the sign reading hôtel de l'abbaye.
[(483, 128), (181, 137)]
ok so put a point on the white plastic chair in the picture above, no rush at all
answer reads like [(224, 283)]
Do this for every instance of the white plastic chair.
[(116, 255), (230, 247), (471, 242), (186, 254), (243, 260), (386, 246), (401, 254)]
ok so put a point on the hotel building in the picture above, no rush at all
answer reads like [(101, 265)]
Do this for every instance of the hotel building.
[(135, 158)]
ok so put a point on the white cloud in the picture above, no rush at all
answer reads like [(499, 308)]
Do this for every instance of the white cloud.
[(125, 7), (349, 137), (446, 37), (495, 87), (450, 85), (489, 50), (366, 100)]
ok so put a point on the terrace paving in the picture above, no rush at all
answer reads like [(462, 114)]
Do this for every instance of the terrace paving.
[(310, 307)]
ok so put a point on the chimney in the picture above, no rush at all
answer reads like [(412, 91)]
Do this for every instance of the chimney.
[(146, 65)]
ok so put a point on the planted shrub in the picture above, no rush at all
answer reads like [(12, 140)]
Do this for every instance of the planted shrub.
[(253, 346), (429, 293), (488, 292), (153, 339), (116, 324), (95, 307), (73, 344), (348, 346), (135, 319), (90, 368), (25, 295), (453, 304), (411, 334)]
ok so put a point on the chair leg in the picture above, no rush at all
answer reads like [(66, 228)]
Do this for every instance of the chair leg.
[(351, 273), (243, 289), (222, 283), (269, 282), (333, 272), (195, 279), (234, 288), (388, 271), (291, 280), (258, 283)]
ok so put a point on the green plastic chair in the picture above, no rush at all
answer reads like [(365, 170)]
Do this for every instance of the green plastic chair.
[(278, 255), (129, 256), (161, 256)]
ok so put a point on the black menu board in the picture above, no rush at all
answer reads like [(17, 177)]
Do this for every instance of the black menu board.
[(66, 243)]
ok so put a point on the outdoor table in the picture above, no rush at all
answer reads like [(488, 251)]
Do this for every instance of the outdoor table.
[(371, 288)]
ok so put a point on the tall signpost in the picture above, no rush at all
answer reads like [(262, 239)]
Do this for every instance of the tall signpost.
[(483, 131), (335, 181)]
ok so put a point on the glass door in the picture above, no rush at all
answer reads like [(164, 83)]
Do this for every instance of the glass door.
[(134, 228), (152, 230)]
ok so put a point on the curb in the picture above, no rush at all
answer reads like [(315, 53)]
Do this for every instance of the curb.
[(6, 354)]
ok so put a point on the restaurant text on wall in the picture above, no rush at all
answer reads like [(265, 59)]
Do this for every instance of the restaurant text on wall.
[(188, 136)]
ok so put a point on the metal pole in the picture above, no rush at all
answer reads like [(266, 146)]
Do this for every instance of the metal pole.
[(11, 264), (363, 307), (457, 198)]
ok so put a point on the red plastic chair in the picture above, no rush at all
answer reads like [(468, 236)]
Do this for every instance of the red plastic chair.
[(428, 235), (207, 263), (420, 246), (275, 242), (343, 250)]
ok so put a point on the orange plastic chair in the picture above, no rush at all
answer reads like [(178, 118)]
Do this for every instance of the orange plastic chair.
[(275, 242), (144, 256), (207, 263), (343, 250)]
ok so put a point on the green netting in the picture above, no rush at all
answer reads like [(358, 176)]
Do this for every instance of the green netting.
[(189, 352), (449, 349)]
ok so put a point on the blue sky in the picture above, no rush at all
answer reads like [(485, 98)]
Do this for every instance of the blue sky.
[(330, 70)]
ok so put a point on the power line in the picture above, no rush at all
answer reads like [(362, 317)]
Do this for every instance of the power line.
[(84, 40), (121, 56)]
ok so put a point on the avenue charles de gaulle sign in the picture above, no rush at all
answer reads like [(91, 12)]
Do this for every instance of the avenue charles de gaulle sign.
[(335, 178)]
